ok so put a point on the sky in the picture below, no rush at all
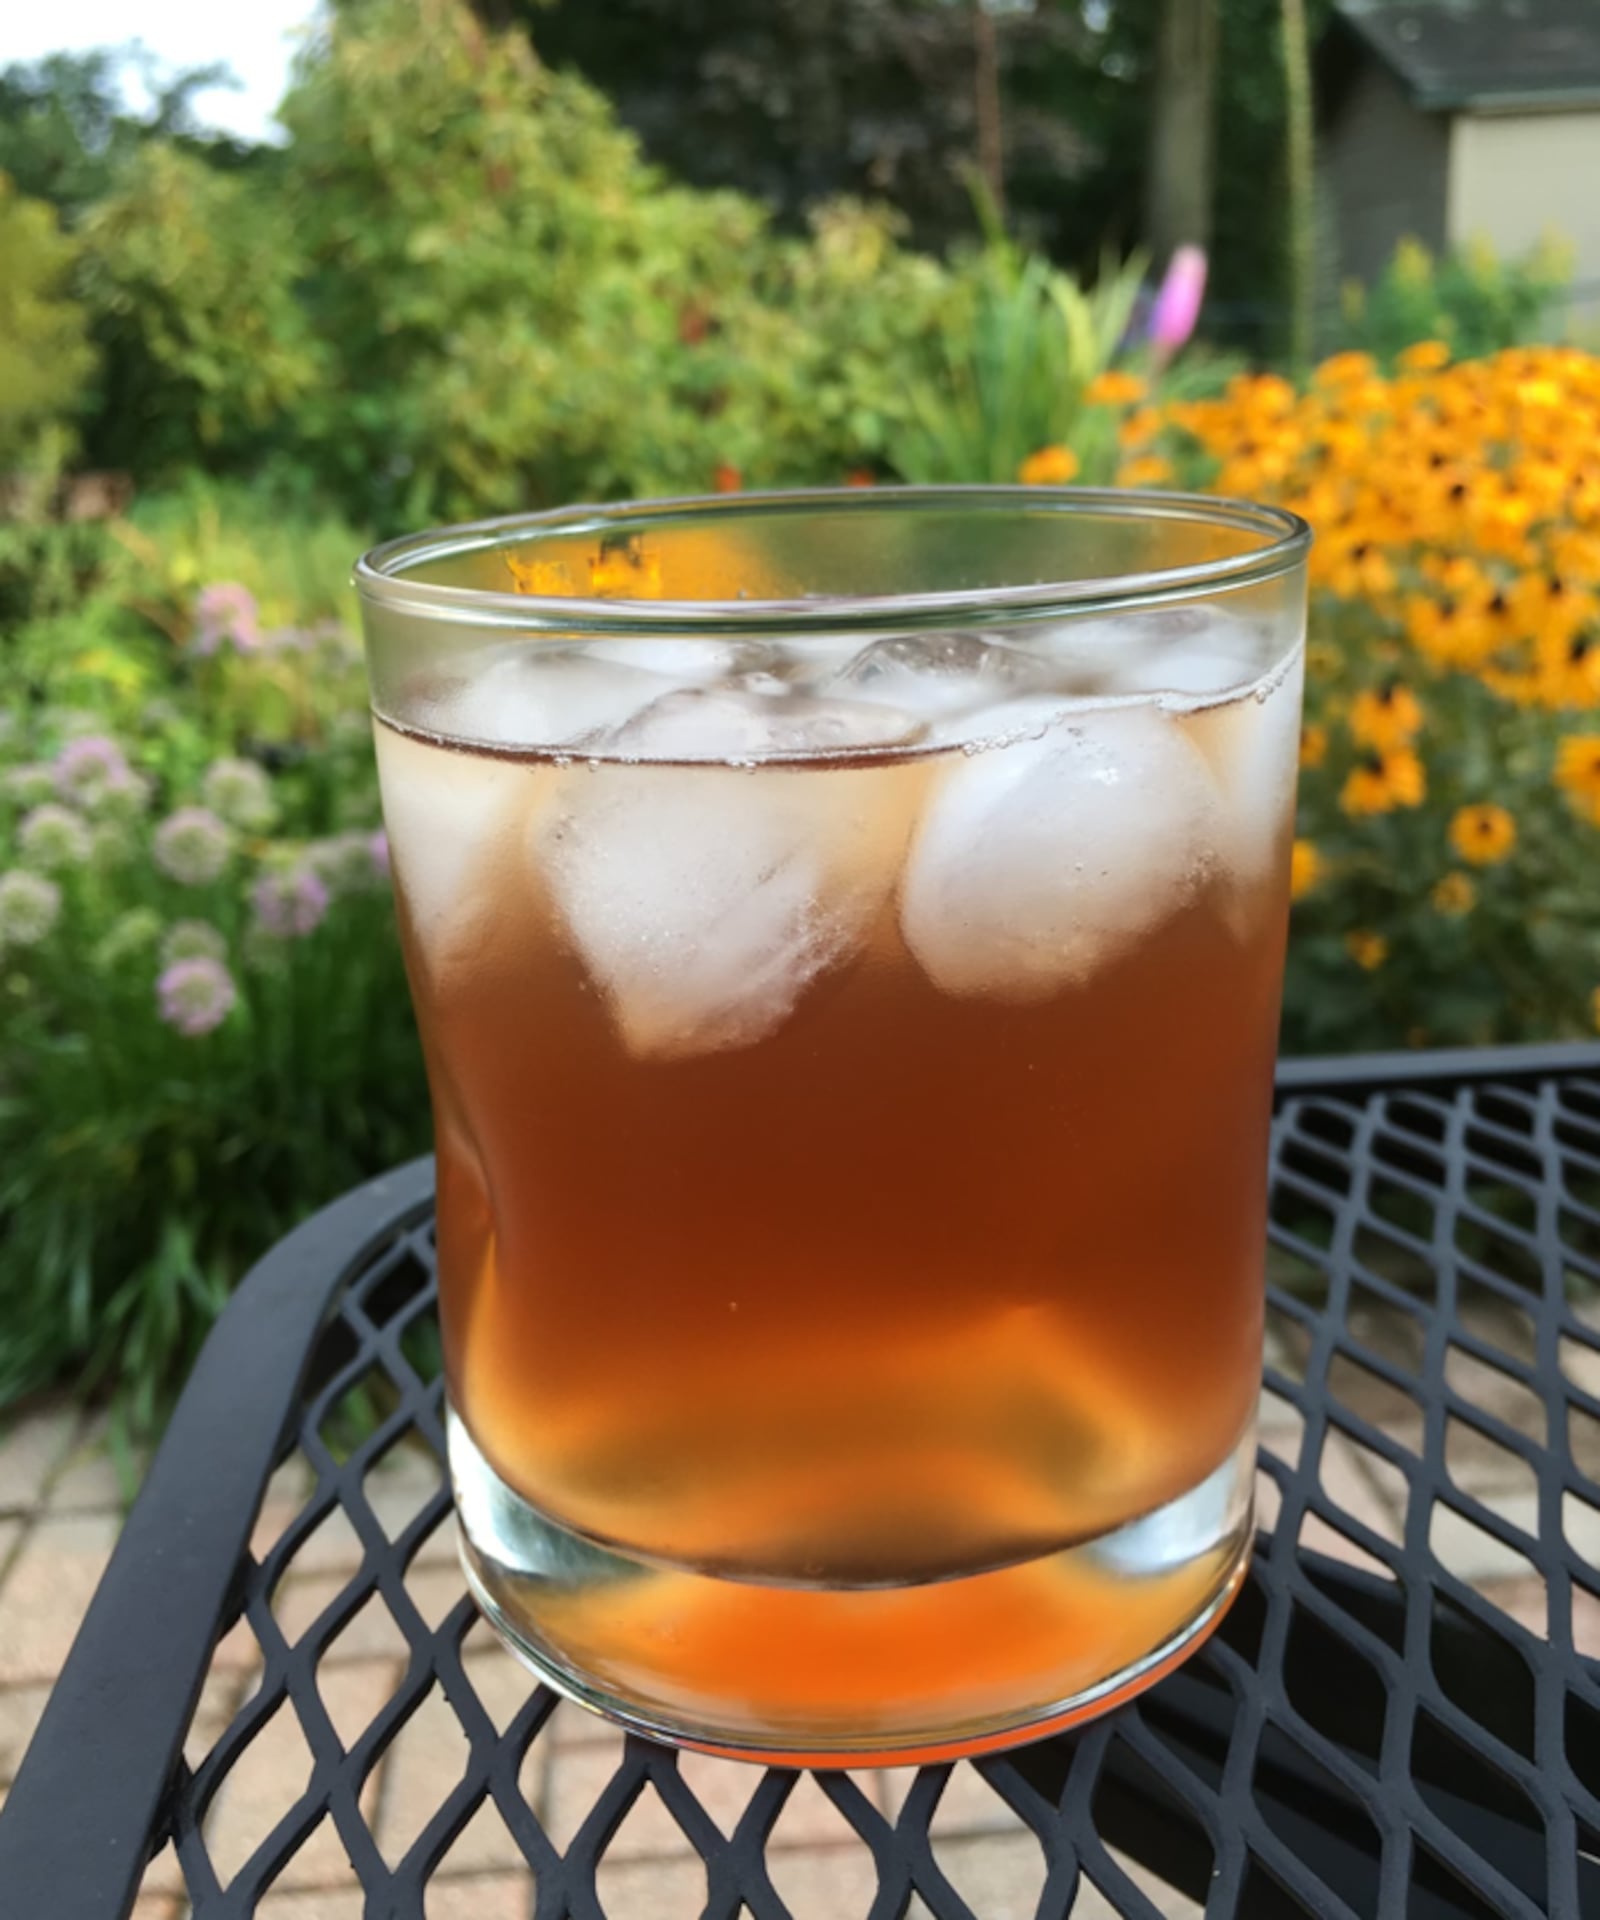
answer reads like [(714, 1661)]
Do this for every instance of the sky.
[(256, 38)]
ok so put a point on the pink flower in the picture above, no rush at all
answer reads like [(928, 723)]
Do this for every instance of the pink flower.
[(226, 611), (1177, 305), (196, 995), (378, 847), (290, 905)]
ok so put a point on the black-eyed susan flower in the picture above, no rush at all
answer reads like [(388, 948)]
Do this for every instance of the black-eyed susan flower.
[(1114, 388), (1386, 716), (1483, 835), (1049, 467), (1381, 782), (1454, 895), (1146, 470), (1306, 868), (1567, 671), (1578, 772), (1313, 744), (1369, 950)]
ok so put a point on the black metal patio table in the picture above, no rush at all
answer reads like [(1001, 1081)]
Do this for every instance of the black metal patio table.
[(1371, 1740)]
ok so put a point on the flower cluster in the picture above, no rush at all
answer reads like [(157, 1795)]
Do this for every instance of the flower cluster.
[(192, 846), (1461, 504), (88, 866), (1450, 761)]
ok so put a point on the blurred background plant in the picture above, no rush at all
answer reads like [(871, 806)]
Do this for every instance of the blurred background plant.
[(201, 998), (693, 246), (1470, 299)]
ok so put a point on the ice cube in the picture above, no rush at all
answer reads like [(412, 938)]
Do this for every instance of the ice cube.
[(1039, 863), (539, 697), (688, 663), (1252, 745), (445, 813), (705, 899), (937, 674), (1187, 652), (756, 720)]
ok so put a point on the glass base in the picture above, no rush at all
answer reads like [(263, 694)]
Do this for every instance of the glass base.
[(859, 1676)]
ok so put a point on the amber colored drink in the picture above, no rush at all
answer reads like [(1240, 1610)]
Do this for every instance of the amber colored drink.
[(850, 1021)]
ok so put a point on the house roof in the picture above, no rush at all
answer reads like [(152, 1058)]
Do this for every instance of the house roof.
[(1484, 53)]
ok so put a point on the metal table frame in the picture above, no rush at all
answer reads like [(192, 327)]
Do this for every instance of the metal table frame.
[(1350, 1744)]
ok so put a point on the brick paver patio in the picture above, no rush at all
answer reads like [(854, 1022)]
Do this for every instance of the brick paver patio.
[(61, 1506)]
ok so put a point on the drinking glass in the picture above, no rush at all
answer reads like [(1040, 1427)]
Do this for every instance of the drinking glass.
[(846, 932)]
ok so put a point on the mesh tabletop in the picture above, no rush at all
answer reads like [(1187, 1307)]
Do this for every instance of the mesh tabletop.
[(1397, 1718)]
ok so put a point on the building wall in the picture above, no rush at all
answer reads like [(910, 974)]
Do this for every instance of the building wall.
[(1515, 177), (1385, 172)]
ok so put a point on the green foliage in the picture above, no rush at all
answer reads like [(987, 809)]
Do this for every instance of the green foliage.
[(558, 320), (1472, 300), (190, 274), (1517, 957), (1021, 347), (45, 356), (142, 1166)]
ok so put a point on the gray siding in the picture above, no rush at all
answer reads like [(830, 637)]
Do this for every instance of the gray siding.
[(1385, 171)]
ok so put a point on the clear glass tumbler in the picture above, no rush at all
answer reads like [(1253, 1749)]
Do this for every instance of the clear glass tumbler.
[(846, 932)]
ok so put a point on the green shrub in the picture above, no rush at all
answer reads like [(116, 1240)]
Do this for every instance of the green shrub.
[(45, 357), (1019, 347), (204, 1029), (1476, 303)]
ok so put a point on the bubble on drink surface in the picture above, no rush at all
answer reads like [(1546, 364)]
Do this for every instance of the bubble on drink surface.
[(1041, 862), (705, 899), (938, 674)]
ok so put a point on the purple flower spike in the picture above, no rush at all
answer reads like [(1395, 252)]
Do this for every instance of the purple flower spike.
[(1177, 307)]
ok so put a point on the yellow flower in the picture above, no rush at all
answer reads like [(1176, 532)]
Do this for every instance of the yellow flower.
[(1454, 895), (1426, 356), (1387, 716), (1368, 950), (1313, 744), (1568, 672), (1306, 868), (1049, 467), (1344, 368), (1149, 470), (1380, 782), (1114, 389), (1138, 428), (1578, 772), (1483, 835)]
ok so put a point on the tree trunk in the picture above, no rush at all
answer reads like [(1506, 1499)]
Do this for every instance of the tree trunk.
[(1302, 212), (986, 83), (1182, 158)]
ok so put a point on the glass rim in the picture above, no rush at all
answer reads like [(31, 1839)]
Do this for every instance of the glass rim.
[(381, 575)]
